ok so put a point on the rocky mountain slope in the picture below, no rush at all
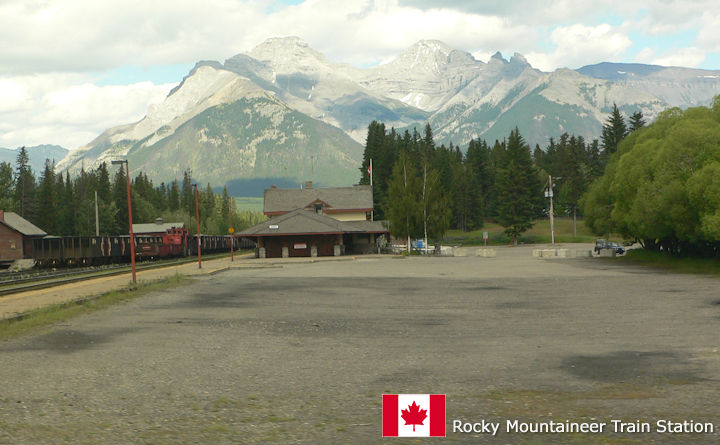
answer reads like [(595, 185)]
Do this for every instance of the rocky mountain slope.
[(37, 155), (284, 110)]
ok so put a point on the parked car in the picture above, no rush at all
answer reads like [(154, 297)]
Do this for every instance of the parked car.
[(604, 244)]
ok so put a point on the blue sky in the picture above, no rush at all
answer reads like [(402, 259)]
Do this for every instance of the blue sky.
[(88, 66)]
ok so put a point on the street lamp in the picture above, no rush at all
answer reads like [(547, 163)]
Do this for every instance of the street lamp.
[(132, 236), (197, 217)]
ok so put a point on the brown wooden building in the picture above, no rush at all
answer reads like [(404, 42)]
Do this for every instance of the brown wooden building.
[(16, 237), (317, 222), (304, 233)]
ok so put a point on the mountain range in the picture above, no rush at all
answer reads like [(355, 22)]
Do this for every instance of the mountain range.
[(283, 110), (36, 155)]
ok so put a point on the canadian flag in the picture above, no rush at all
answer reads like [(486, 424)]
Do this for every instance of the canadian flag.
[(413, 415)]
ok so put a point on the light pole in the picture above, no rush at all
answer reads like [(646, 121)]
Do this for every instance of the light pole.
[(549, 194), (132, 236), (232, 231), (197, 217)]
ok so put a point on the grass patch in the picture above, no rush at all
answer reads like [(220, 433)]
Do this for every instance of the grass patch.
[(660, 260), (538, 234), (251, 203), (56, 313)]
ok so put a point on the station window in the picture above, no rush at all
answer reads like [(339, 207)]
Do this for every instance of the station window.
[(12, 244)]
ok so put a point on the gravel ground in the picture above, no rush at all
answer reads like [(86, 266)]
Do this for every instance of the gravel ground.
[(301, 353)]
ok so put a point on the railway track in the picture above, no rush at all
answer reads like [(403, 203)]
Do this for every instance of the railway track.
[(16, 282)]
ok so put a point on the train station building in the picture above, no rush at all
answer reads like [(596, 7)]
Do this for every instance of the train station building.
[(311, 221)]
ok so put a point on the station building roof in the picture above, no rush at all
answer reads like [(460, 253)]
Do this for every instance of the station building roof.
[(307, 222), (358, 198)]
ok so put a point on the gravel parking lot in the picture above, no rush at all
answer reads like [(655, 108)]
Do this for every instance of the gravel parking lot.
[(301, 353)]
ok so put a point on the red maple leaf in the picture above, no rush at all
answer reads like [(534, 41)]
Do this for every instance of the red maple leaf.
[(414, 416)]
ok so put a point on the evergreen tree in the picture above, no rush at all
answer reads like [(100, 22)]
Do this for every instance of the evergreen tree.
[(187, 197), (518, 188), (119, 193), (68, 209), (225, 209), (6, 186), (103, 184), (614, 130), (47, 200), (637, 121), (575, 178), (24, 186), (173, 196), (594, 161), (477, 160)]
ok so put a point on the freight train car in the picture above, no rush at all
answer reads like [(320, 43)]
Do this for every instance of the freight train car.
[(53, 251), (81, 250)]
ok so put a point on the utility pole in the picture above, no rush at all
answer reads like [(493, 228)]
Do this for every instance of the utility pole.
[(97, 217), (549, 194), (132, 235), (197, 217), (232, 232)]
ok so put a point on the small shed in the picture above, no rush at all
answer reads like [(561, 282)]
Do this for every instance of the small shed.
[(16, 237)]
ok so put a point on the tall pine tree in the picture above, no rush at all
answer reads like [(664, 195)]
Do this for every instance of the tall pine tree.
[(518, 188), (614, 130)]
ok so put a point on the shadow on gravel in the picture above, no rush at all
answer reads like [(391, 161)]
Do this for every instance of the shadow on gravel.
[(68, 340), (633, 367)]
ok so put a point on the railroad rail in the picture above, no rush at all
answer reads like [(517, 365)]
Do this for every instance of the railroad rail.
[(45, 279)]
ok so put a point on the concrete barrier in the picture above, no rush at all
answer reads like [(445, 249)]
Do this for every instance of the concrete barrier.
[(486, 253), (561, 253), (610, 253)]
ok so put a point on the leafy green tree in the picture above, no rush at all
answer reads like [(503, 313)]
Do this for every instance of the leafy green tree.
[(518, 188), (662, 188), (435, 209), (404, 207)]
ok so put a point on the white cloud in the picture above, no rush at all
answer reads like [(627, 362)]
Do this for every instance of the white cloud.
[(67, 109), (687, 57), (578, 45), (48, 46), (708, 36)]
